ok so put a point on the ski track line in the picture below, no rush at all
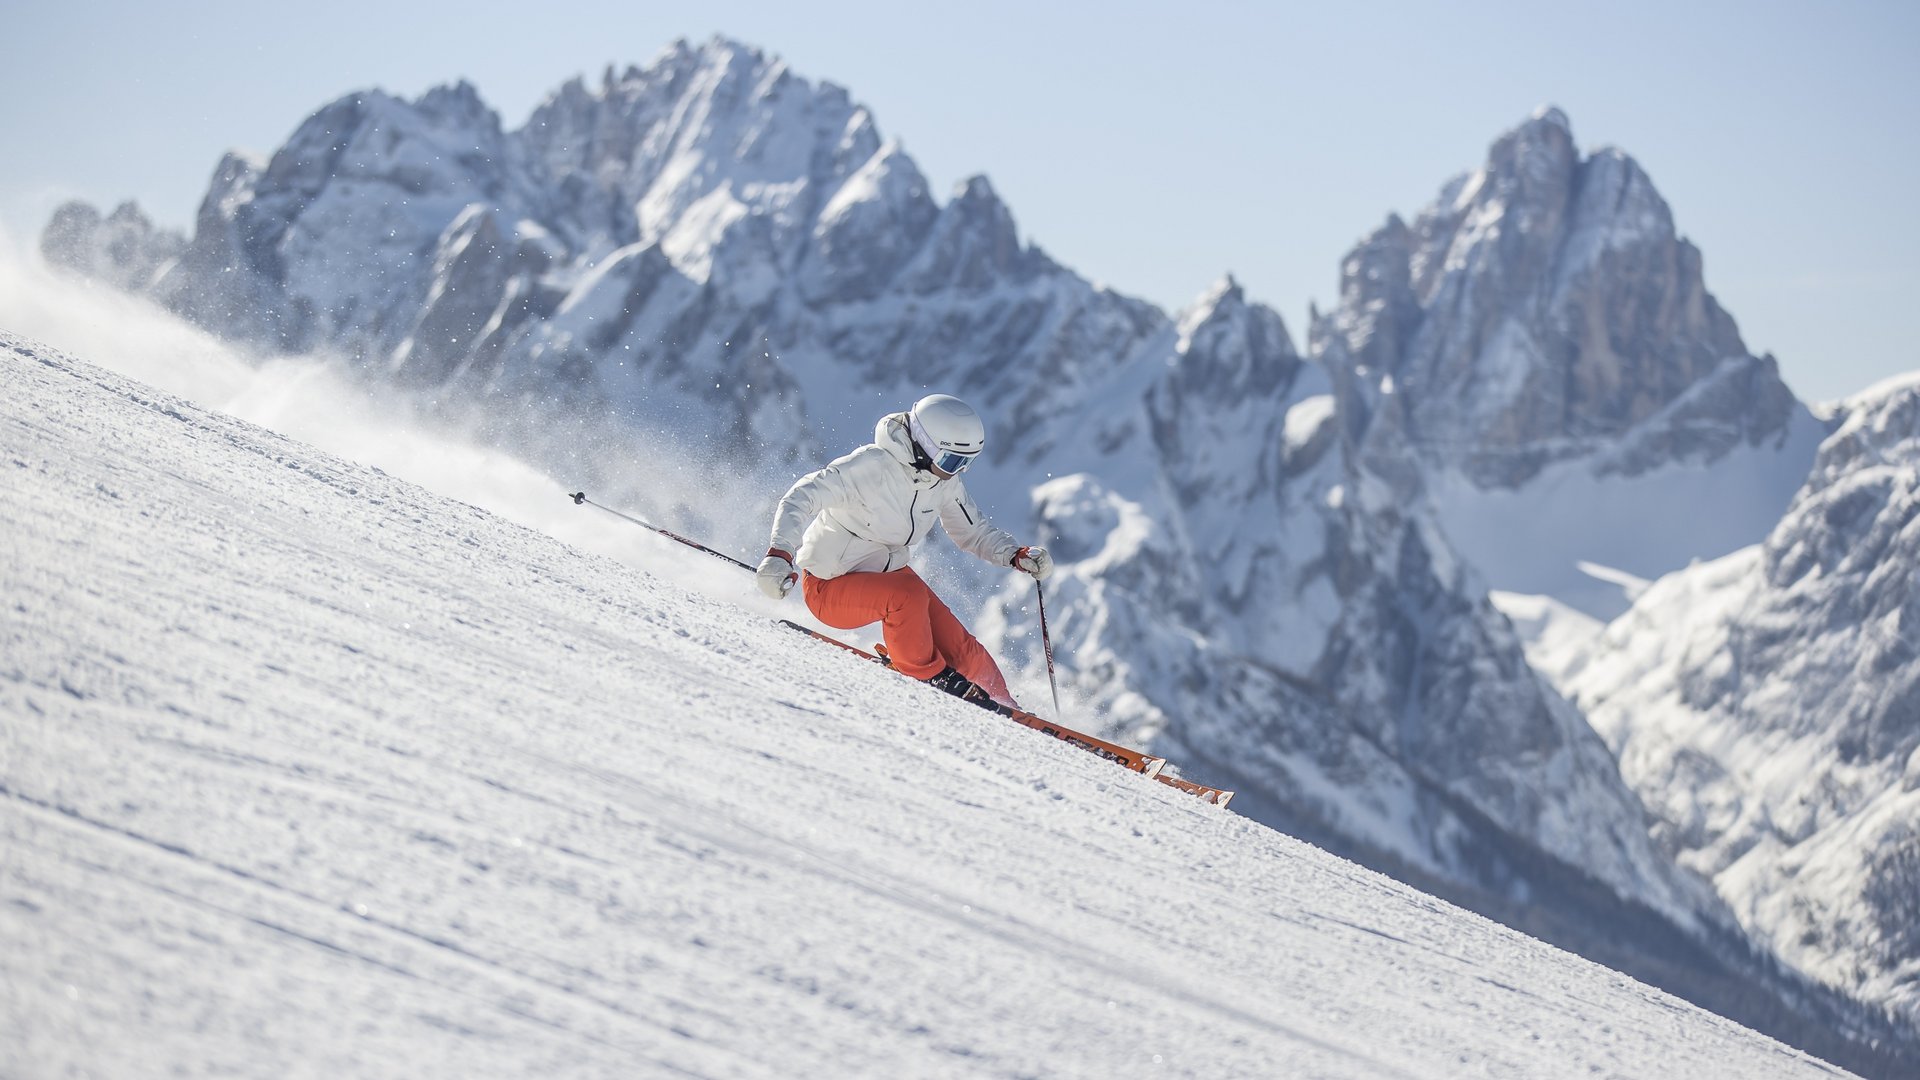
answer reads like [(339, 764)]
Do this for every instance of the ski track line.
[(294, 778), (394, 814), (258, 771), (328, 912), (845, 867)]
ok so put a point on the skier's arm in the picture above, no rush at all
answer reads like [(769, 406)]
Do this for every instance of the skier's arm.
[(809, 495), (972, 532)]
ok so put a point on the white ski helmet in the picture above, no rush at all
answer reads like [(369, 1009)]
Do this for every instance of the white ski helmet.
[(948, 431)]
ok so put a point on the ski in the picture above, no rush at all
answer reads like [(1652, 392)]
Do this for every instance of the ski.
[(818, 636), (1147, 765), (1214, 795)]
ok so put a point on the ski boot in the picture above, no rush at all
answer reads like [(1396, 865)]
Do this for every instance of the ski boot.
[(951, 681)]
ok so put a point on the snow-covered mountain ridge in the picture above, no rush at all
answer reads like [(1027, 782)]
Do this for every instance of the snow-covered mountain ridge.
[(1767, 707), (309, 771), (1258, 571)]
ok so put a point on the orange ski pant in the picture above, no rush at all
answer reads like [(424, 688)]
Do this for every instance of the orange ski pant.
[(923, 636)]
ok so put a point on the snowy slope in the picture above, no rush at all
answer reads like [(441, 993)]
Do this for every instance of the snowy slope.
[(1766, 706), (309, 772)]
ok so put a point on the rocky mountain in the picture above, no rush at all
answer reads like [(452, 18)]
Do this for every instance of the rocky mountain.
[(123, 248), (720, 261), (1767, 708), (1550, 351), (636, 248)]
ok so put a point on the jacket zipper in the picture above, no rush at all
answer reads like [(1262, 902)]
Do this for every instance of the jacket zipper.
[(912, 524)]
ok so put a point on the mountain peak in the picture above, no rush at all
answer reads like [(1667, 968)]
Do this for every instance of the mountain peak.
[(681, 57), (675, 52), (1551, 116), (459, 101), (1543, 304), (722, 45), (1535, 163), (975, 189), (1224, 294), (124, 248)]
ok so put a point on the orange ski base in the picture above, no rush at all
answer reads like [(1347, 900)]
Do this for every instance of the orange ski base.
[(1214, 795), (1114, 752)]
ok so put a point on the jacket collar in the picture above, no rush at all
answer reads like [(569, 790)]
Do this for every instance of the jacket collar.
[(891, 435)]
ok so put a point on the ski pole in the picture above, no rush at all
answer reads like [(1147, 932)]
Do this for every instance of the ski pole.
[(580, 498), (1046, 643)]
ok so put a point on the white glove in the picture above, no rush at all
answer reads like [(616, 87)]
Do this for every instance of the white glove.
[(1035, 561), (776, 575)]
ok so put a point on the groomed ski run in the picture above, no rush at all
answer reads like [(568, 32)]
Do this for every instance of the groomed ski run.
[(305, 770)]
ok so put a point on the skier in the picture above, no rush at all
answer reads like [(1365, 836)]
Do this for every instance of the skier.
[(856, 522)]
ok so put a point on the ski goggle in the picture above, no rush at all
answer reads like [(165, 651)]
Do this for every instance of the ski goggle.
[(953, 461)]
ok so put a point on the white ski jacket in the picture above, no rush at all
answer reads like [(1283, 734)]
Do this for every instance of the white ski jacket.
[(866, 511)]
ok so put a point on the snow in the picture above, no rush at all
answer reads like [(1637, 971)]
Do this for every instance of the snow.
[(1552, 114), (587, 301), (1873, 395), (698, 230), (1642, 526), (1631, 585), (1552, 633), (1501, 369), (308, 769), (1304, 421), (868, 184)]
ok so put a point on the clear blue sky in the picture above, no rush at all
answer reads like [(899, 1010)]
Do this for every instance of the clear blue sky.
[(1149, 146)]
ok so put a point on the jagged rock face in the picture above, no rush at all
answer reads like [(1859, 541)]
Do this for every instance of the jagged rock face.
[(334, 237), (694, 141), (485, 282), (1539, 347), (1541, 308), (867, 232), (1767, 708), (1432, 675), (644, 250)]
